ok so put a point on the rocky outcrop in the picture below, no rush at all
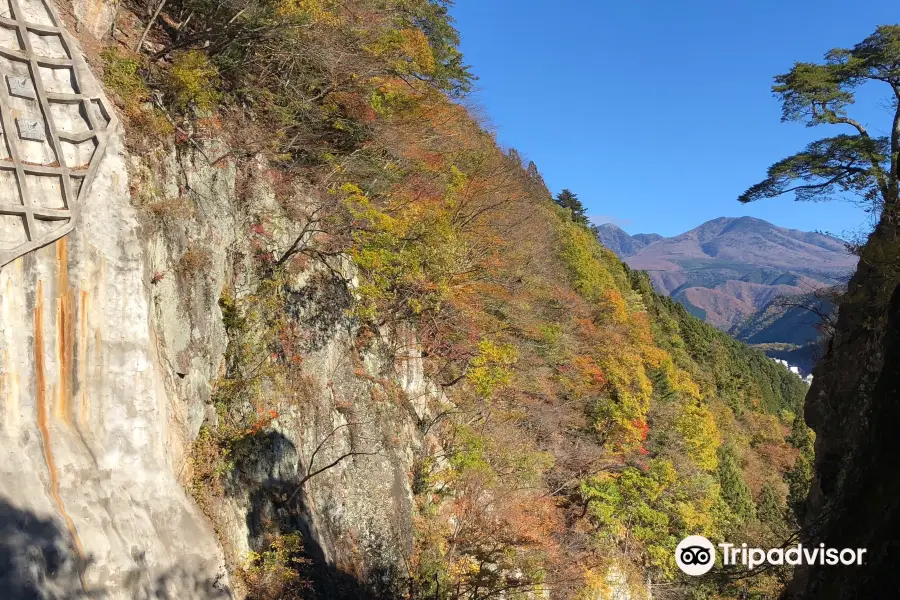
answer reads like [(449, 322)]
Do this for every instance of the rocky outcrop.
[(95, 16), (355, 515), (112, 339), (89, 507), (853, 408)]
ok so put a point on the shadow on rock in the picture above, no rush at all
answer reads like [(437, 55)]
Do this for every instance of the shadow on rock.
[(36, 558), (279, 507), (39, 562), (174, 584)]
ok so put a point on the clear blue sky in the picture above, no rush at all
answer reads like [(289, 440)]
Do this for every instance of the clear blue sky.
[(659, 113)]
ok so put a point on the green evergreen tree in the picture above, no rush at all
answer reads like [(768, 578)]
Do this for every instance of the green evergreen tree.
[(801, 436), (798, 480), (568, 199), (768, 505), (770, 510), (800, 477), (450, 73), (735, 490), (856, 162)]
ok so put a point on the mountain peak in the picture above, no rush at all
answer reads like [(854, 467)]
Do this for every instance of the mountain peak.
[(616, 239), (730, 267), (758, 242)]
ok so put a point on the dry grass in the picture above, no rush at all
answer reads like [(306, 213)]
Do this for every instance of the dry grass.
[(195, 261)]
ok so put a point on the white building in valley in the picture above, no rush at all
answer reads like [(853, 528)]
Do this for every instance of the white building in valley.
[(795, 370)]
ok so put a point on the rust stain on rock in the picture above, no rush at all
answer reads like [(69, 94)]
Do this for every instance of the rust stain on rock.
[(40, 375), (65, 339), (82, 359)]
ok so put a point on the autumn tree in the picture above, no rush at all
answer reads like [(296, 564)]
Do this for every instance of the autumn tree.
[(574, 418), (855, 161)]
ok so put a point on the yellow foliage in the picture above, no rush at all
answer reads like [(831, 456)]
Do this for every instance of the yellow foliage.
[(323, 12), (654, 357), (397, 275), (681, 381), (122, 75), (701, 435), (193, 80), (490, 369), (581, 253), (407, 50), (276, 572), (595, 585)]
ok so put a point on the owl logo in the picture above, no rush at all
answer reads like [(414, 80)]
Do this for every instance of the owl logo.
[(695, 555)]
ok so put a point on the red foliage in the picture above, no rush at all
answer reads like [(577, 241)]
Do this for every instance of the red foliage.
[(264, 420), (642, 426)]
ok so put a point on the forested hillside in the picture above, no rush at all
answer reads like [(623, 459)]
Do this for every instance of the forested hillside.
[(579, 424)]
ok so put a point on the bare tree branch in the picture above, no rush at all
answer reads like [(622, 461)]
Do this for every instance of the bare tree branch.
[(310, 473)]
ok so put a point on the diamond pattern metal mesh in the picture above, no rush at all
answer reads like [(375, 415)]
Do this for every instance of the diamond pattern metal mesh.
[(53, 136)]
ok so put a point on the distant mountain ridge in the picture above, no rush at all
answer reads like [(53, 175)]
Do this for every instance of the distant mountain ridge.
[(624, 245), (732, 271)]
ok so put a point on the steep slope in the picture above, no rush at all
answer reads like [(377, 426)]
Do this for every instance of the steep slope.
[(853, 408), (89, 506)]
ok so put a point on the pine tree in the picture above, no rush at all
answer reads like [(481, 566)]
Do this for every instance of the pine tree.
[(856, 162), (800, 477), (567, 199), (735, 490), (770, 508)]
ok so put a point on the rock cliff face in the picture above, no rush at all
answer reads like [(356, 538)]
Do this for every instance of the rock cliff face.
[(853, 408), (111, 340), (356, 515), (88, 505)]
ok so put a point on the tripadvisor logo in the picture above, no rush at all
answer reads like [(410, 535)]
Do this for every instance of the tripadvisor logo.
[(696, 555)]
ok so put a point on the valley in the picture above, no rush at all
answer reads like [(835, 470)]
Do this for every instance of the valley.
[(283, 316), (759, 282)]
